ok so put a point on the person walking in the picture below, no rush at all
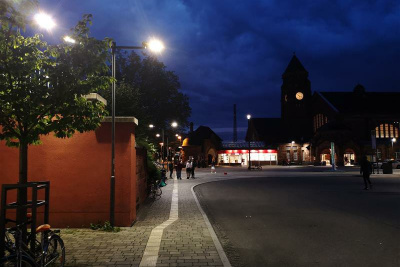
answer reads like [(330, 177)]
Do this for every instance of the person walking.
[(194, 165), (188, 168), (365, 170), (179, 167), (171, 169)]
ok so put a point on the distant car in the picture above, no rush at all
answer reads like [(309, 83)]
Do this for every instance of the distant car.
[(395, 164)]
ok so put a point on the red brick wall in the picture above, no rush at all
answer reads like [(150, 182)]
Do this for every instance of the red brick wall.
[(142, 175), (78, 169)]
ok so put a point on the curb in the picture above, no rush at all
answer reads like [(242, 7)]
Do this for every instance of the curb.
[(218, 246)]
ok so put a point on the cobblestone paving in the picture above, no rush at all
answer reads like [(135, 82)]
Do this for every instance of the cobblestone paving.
[(187, 242)]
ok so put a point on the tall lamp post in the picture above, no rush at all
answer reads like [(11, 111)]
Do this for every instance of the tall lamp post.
[(292, 152), (248, 127), (155, 46), (393, 141)]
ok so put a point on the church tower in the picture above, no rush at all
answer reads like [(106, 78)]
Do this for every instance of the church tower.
[(295, 100)]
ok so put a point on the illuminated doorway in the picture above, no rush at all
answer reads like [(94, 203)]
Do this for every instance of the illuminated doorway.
[(349, 157)]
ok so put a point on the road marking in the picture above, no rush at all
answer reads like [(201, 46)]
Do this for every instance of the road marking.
[(214, 237), (150, 255)]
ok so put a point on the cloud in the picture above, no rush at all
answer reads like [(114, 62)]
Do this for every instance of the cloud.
[(228, 52)]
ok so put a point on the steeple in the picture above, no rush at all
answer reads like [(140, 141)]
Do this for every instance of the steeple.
[(294, 66), (295, 99)]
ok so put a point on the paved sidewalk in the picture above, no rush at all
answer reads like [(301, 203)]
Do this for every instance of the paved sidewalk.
[(186, 242)]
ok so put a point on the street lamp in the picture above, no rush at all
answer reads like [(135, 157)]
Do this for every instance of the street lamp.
[(69, 39), (248, 127), (44, 21), (291, 148), (393, 141), (174, 124), (153, 47)]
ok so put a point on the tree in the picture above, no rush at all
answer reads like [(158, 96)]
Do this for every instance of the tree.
[(42, 87), (148, 91)]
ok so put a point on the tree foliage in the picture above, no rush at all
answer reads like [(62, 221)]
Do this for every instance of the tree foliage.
[(42, 87), (150, 92)]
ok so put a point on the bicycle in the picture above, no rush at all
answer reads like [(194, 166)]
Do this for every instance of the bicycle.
[(49, 251), (17, 253), (155, 189)]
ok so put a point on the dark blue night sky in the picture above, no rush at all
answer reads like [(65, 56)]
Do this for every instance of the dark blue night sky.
[(228, 52)]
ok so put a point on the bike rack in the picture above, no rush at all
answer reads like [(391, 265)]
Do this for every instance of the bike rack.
[(32, 204)]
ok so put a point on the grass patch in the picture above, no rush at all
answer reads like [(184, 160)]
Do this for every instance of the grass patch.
[(106, 226)]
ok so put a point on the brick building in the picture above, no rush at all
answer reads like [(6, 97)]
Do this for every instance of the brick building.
[(311, 121), (201, 144)]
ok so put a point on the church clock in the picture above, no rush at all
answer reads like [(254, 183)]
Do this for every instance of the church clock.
[(299, 95)]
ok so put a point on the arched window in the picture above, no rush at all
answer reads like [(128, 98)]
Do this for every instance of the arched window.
[(319, 120), (387, 130)]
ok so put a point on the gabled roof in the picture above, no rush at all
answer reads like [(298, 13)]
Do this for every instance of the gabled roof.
[(199, 135), (204, 132), (364, 102), (294, 66)]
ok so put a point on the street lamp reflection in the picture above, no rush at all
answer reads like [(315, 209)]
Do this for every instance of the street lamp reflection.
[(68, 39)]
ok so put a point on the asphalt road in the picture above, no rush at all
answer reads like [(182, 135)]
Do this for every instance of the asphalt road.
[(305, 220)]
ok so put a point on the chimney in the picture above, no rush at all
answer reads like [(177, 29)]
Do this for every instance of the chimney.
[(234, 124), (191, 127)]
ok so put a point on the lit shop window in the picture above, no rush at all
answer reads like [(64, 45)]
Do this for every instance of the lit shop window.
[(319, 120), (387, 130)]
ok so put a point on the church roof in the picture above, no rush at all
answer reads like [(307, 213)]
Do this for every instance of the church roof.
[(364, 102), (294, 66)]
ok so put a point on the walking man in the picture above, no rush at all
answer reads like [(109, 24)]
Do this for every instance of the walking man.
[(179, 167), (194, 165), (366, 169), (171, 169)]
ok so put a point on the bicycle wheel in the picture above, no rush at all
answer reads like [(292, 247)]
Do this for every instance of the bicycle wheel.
[(55, 252), (158, 191), (9, 244), (12, 261)]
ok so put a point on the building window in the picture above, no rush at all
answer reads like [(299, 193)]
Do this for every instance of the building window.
[(386, 130), (319, 120)]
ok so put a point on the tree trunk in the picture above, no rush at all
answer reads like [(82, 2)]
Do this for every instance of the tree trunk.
[(23, 179)]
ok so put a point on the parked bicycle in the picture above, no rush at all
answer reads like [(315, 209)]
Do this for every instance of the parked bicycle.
[(256, 167), (155, 189), (50, 251)]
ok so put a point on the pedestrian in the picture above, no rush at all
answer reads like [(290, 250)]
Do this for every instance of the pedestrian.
[(213, 166), (194, 165), (171, 169), (179, 167), (366, 169), (188, 168)]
